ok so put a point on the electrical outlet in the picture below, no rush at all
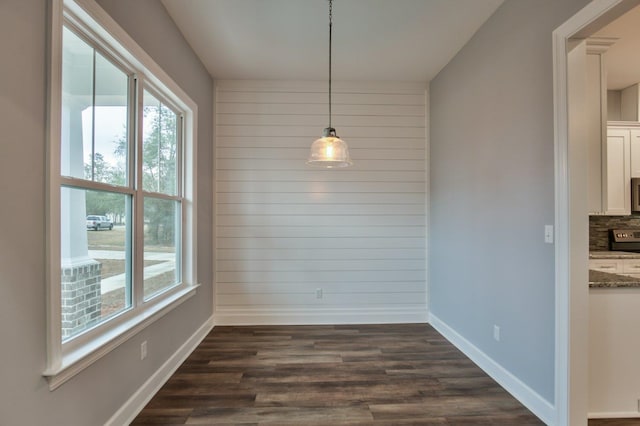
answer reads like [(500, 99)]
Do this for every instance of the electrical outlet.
[(318, 293), (143, 350), (496, 333), (548, 234)]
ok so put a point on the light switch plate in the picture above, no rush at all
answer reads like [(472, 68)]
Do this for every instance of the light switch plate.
[(548, 234)]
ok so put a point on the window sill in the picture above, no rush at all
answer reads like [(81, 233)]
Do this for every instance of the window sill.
[(83, 356)]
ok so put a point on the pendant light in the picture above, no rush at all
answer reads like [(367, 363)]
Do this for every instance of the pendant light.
[(329, 151)]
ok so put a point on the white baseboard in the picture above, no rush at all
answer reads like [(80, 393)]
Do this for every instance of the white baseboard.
[(614, 415), (523, 393), (318, 316), (142, 396)]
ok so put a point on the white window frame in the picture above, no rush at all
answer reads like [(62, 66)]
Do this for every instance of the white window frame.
[(64, 360)]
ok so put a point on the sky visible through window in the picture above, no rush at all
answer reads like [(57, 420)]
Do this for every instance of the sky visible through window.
[(110, 129)]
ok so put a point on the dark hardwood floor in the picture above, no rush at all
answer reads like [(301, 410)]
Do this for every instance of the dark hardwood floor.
[(614, 422), (331, 375)]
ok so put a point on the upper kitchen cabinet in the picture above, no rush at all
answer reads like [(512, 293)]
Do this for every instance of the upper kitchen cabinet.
[(621, 162), (621, 153), (616, 172), (630, 131)]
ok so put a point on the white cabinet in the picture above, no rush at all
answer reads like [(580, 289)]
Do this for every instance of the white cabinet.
[(616, 173), (612, 266), (620, 159), (628, 267), (631, 267), (634, 136), (614, 350), (612, 194), (620, 163)]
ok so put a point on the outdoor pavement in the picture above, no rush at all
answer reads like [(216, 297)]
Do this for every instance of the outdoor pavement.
[(118, 281)]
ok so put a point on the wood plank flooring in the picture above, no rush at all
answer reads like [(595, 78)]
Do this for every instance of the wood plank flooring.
[(331, 375)]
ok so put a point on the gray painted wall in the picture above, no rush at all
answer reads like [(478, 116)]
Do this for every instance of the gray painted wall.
[(94, 395), (492, 189)]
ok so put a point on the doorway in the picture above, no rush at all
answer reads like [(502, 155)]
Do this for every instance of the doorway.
[(571, 209)]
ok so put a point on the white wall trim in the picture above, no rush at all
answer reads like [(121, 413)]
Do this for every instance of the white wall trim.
[(523, 393), (615, 415), (562, 230), (427, 192), (318, 316), (143, 395)]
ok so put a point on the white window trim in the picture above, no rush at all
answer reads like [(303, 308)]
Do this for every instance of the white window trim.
[(65, 362)]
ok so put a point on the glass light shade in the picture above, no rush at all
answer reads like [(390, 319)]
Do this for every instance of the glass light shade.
[(329, 151)]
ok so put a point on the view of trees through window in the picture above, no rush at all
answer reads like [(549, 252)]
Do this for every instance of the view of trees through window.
[(159, 177), (159, 162)]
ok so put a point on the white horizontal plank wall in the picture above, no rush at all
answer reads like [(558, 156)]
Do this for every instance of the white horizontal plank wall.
[(302, 245)]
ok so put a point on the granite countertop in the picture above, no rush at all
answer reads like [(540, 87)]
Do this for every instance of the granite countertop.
[(613, 255), (598, 279)]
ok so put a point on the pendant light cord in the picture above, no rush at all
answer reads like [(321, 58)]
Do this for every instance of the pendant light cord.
[(330, 31)]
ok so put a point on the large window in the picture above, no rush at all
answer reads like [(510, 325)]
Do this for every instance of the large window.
[(98, 188), (121, 225)]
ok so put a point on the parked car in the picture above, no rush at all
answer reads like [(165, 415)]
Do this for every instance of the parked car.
[(99, 222)]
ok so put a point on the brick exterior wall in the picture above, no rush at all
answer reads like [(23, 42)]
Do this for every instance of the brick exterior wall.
[(81, 298)]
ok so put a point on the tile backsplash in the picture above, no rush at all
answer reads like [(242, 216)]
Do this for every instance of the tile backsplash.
[(599, 229)]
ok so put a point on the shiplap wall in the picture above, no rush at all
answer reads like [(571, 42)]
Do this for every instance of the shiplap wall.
[(286, 231)]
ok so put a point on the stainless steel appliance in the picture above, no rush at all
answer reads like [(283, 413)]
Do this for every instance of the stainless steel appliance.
[(624, 240)]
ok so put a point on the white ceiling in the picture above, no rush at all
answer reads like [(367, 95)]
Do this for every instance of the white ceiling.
[(623, 58), (399, 40)]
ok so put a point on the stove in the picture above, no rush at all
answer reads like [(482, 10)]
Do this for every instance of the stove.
[(624, 240)]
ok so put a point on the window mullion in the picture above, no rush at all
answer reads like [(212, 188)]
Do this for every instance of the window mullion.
[(132, 130), (138, 200), (161, 196), (132, 133), (93, 118), (78, 183), (179, 154)]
